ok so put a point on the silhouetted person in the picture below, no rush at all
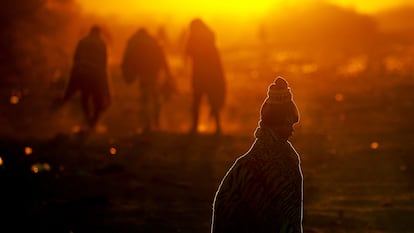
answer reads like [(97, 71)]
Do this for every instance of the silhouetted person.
[(89, 76), (262, 191), (207, 72), (145, 60)]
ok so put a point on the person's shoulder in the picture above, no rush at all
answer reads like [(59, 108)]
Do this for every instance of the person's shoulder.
[(102, 42), (293, 152), (87, 40), (83, 40), (153, 41), (248, 159)]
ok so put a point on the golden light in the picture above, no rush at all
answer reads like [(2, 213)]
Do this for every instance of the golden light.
[(370, 6), (181, 9), (374, 145), (203, 128), (40, 167), (339, 97), (28, 150), (14, 99), (1, 161), (309, 68), (232, 9), (112, 151), (35, 169), (46, 167), (354, 66)]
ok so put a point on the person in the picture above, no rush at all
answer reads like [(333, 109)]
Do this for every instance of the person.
[(89, 77), (144, 59), (207, 72), (263, 190)]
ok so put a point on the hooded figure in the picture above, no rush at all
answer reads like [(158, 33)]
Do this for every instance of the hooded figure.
[(89, 76), (207, 71), (262, 191), (144, 60)]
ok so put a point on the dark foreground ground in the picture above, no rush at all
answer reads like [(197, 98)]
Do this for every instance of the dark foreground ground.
[(166, 183), (355, 144)]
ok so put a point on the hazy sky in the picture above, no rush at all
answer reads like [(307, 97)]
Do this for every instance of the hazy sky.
[(369, 6), (236, 8)]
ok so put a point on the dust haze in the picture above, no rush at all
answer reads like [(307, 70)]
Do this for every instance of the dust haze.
[(315, 41)]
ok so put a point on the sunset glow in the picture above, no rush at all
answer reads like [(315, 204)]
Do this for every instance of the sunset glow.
[(244, 9), (371, 6), (180, 9), (130, 115)]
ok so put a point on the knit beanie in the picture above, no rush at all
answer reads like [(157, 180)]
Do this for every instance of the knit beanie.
[(279, 109)]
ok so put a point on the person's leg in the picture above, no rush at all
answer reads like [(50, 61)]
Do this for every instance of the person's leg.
[(216, 114), (146, 110), (85, 105), (98, 106), (195, 110), (215, 105), (156, 109), (69, 93), (74, 85)]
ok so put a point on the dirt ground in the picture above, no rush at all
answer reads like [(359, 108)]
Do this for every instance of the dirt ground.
[(354, 139)]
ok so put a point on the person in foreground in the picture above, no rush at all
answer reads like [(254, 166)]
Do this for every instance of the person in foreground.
[(263, 190)]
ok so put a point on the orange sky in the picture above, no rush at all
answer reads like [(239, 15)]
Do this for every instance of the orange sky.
[(238, 9), (371, 6)]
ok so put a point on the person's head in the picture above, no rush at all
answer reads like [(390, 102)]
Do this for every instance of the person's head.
[(196, 23), (142, 34), (279, 111), (95, 30), (142, 31)]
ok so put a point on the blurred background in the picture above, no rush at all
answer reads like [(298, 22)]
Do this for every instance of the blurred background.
[(362, 44)]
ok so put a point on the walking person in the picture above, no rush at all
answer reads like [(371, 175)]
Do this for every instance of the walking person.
[(89, 77), (207, 72), (144, 60), (263, 190)]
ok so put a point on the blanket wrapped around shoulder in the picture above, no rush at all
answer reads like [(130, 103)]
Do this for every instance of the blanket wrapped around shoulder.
[(262, 191)]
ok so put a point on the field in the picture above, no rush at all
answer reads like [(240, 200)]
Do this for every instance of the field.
[(354, 138)]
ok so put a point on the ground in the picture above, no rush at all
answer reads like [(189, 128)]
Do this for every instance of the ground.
[(354, 139)]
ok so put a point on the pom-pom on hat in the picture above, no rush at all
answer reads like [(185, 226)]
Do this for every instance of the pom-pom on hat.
[(279, 108), (279, 92)]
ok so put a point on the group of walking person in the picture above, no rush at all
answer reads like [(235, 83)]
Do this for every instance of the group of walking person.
[(145, 61)]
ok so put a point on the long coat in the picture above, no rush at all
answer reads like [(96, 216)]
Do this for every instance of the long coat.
[(207, 70), (89, 72), (143, 59), (262, 191)]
